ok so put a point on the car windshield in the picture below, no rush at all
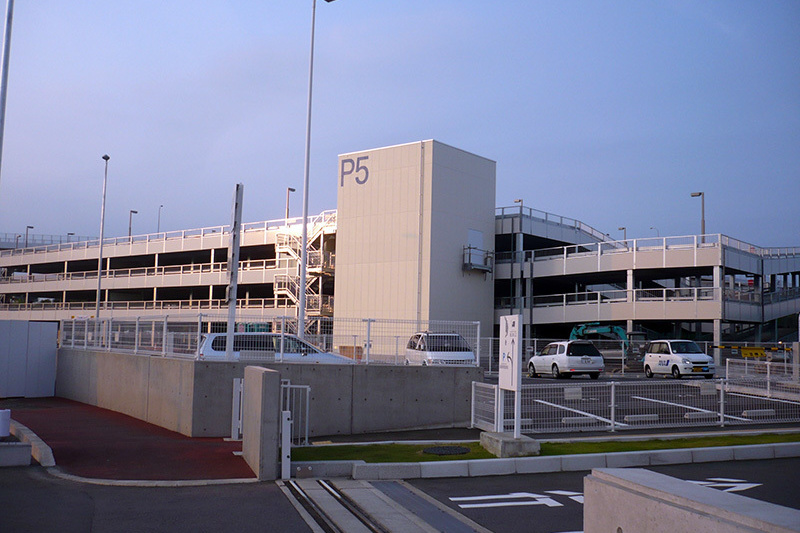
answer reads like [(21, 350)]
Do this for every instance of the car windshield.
[(686, 347), (583, 349), (447, 343)]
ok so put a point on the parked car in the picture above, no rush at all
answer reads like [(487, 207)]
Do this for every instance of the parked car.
[(267, 346), (427, 348), (567, 358), (677, 357)]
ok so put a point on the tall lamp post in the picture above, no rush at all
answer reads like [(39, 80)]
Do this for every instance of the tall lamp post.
[(27, 228), (130, 220), (100, 251), (624, 231), (4, 78), (702, 196), (301, 311), (658, 233), (288, 190), (158, 227)]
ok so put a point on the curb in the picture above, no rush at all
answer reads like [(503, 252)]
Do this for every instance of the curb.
[(548, 464), (39, 450)]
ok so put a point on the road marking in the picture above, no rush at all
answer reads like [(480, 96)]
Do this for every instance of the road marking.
[(529, 498), (672, 404), (733, 485), (584, 413)]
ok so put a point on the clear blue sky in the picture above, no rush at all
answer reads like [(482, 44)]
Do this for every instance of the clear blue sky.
[(608, 112)]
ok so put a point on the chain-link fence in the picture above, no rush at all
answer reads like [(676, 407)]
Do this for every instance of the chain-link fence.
[(361, 340)]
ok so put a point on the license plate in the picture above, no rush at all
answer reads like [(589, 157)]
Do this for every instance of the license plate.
[(700, 369)]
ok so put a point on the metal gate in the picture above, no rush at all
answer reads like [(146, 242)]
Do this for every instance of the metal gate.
[(294, 398)]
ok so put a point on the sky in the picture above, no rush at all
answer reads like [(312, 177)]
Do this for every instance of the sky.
[(610, 112)]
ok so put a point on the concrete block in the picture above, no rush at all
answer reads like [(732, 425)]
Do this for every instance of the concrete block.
[(317, 469), (627, 459), (631, 419), (492, 467), (261, 421), (757, 451), (367, 471), (574, 463), (15, 453), (435, 469), (505, 445), (536, 465), (709, 455), (400, 471), (786, 449), (670, 457)]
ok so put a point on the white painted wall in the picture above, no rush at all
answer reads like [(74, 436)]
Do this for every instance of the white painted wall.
[(27, 358)]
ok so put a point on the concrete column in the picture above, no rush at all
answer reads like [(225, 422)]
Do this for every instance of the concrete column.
[(261, 421), (629, 285)]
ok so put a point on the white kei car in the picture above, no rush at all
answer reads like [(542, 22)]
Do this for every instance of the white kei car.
[(567, 358), (677, 357)]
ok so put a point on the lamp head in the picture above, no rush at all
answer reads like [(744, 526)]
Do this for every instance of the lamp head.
[(696, 194), (106, 158)]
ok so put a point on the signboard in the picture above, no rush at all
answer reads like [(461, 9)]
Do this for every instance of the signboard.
[(510, 353)]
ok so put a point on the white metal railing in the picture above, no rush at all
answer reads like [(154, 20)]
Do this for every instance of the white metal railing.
[(367, 341), (610, 296), (629, 405), (326, 218), (151, 305), (544, 216), (294, 398)]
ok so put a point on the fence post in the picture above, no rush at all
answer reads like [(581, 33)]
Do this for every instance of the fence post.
[(472, 407), (199, 334), (478, 345), (369, 340), (769, 380), (723, 383), (136, 336), (613, 405), (500, 415), (164, 337)]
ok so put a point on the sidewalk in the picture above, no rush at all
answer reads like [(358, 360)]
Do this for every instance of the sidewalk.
[(91, 442)]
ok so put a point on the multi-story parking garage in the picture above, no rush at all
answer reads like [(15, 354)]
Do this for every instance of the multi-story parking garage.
[(414, 226)]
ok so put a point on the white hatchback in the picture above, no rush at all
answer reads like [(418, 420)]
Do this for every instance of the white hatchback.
[(567, 358), (677, 357)]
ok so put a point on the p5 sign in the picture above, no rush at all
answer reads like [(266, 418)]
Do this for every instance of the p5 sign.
[(356, 168)]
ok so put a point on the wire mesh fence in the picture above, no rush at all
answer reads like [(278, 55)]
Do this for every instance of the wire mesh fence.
[(630, 405), (358, 340)]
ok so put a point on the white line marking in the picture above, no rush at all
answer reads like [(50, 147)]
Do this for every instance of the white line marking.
[(684, 406), (584, 413)]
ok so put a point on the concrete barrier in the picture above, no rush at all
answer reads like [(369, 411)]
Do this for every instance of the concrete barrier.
[(261, 421), (194, 398), (634, 499)]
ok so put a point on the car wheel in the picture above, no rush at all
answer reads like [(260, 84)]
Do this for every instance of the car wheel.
[(647, 372), (676, 372), (531, 371), (555, 372), (595, 375)]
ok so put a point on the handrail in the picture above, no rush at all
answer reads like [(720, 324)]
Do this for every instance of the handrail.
[(201, 268), (250, 303), (546, 217)]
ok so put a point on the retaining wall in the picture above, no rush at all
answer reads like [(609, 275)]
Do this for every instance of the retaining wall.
[(194, 398)]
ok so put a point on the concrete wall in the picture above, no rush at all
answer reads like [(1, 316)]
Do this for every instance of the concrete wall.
[(261, 421), (27, 358), (194, 398), (633, 499)]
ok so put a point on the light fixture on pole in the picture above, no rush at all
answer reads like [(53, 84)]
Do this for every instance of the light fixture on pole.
[(130, 220), (26, 234), (702, 196), (301, 306), (624, 231), (158, 227), (658, 233), (100, 251), (288, 190)]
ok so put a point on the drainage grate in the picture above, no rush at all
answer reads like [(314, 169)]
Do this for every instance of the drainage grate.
[(446, 450)]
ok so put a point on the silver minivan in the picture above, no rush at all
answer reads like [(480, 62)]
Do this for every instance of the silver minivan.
[(266, 347), (427, 348), (567, 358)]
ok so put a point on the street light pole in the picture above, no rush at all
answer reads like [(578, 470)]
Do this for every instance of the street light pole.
[(4, 79), (130, 220), (100, 252), (158, 227), (26, 234), (624, 231), (301, 311), (288, 190), (702, 196)]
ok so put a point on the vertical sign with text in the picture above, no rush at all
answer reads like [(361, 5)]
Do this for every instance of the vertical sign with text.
[(510, 353)]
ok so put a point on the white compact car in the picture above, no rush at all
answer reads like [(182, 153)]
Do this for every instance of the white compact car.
[(567, 358), (267, 346), (426, 348), (677, 357)]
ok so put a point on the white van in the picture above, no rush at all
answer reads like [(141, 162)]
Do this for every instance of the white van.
[(677, 357), (266, 347), (426, 348)]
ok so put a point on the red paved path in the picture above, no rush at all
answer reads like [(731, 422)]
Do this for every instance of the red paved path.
[(92, 442)]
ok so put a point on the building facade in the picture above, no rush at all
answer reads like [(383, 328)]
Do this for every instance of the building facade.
[(416, 236)]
